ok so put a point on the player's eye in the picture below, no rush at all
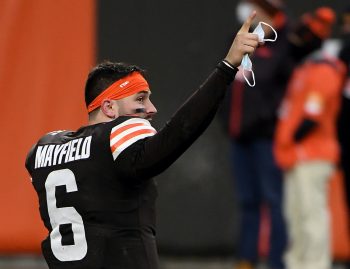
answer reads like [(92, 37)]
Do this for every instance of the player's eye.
[(140, 99)]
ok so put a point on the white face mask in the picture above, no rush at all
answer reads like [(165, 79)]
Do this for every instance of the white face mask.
[(243, 10), (246, 62)]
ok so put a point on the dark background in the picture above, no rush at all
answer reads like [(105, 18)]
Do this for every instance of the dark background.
[(179, 43)]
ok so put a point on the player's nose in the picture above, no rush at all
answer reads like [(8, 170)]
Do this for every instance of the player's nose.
[(150, 110)]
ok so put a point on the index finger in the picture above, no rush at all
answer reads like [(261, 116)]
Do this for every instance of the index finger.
[(246, 25)]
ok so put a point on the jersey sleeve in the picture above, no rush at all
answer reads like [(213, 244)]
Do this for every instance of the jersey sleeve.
[(127, 133), (151, 155)]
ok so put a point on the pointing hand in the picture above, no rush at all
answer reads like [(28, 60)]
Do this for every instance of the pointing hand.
[(244, 43)]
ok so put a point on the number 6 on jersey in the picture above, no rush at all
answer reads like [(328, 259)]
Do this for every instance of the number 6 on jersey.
[(64, 215)]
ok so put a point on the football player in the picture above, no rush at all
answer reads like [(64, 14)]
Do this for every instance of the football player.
[(95, 187)]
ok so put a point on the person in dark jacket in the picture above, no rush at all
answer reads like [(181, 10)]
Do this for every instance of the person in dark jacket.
[(252, 119)]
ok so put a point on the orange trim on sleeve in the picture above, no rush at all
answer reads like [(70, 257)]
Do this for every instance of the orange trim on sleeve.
[(131, 135), (126, 127)]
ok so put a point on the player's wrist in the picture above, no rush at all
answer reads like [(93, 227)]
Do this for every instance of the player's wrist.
[(228, 69), (229, 64), (233, 59)]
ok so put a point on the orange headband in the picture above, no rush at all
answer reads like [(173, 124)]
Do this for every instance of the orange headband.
[(126, 86)]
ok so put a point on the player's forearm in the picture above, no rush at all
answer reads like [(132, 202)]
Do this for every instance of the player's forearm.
[(186, 125), (161, 150), (194, 116)]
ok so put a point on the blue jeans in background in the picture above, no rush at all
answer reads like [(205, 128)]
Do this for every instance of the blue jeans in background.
[(258, 182)]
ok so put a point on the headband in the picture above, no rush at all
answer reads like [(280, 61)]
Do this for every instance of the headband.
[(126, 86)]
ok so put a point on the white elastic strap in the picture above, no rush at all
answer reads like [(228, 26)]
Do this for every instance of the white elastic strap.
[(228, 65), (274, 31), (247, 80)]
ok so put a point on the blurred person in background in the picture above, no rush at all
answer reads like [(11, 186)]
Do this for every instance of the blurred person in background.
[(95, 185), (344, 114), (306, 146), (251, 123)]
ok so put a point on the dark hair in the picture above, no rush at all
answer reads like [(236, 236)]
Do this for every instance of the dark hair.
[(105, 74)]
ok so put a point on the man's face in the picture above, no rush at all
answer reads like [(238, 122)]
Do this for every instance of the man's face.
[(245, 8), (137, 104)]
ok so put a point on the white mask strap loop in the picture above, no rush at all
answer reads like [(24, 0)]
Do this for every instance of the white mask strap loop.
[(273, 30), (247, 80), (246, 62)]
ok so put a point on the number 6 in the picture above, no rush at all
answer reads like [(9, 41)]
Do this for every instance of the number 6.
[(64, 215)]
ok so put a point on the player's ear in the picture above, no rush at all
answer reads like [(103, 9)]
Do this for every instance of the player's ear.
[(109, 108)]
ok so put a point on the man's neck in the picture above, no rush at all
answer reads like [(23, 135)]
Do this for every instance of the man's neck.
[(98, 119)]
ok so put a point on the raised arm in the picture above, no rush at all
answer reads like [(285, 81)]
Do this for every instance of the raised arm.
[(150, 156), (243, 43)]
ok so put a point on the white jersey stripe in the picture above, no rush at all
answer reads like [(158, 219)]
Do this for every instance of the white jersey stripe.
[(121, 131), (128, 131), (127, 143), (131, 121)]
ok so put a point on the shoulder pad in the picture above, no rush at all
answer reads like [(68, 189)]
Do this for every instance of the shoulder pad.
[(53, 137), (124, 134)]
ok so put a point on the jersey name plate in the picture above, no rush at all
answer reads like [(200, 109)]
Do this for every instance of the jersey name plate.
[(53, 154)]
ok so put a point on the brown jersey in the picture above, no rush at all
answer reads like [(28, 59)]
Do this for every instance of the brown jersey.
[(96, 188)]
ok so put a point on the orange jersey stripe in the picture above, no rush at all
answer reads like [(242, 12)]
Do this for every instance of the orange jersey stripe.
[(123, 128), (129, 136)]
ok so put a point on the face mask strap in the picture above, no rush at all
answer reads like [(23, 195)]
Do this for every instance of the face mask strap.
[(247, 80), (274, 31), (246, 57)]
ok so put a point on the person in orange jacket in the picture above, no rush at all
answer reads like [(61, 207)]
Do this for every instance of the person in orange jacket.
[(306, 146)]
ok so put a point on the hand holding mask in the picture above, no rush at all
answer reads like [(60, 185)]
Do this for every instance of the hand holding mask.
[(246, 63)]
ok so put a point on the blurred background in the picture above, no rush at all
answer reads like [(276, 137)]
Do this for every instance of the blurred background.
[(46, 51)]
